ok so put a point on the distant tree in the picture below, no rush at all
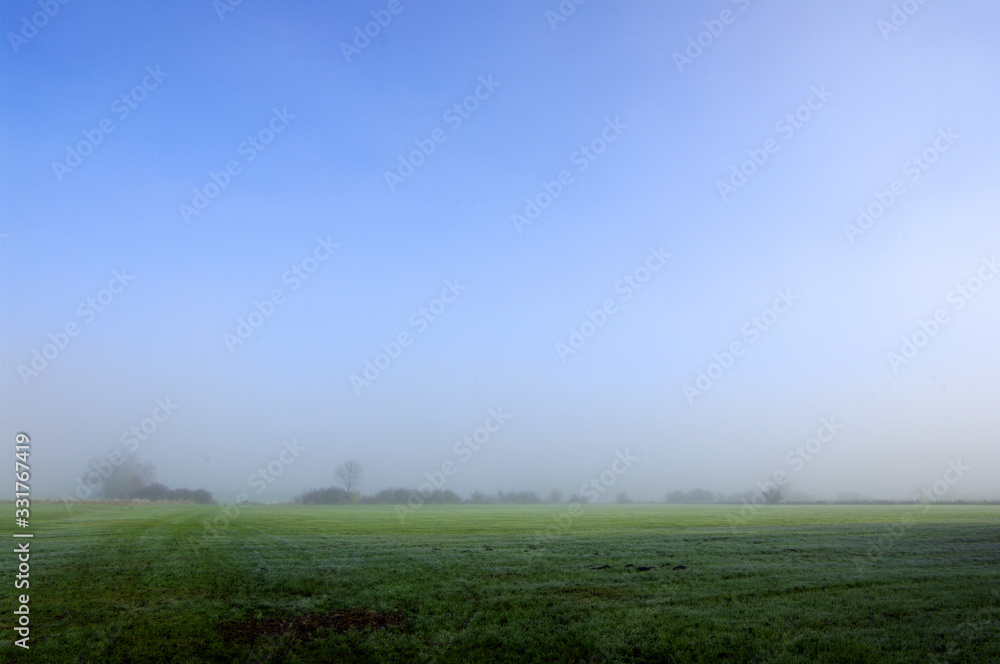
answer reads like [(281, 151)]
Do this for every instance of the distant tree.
[(772, 495), (556, 496), (518, 497), (677, 497), (582, 500), (700, 496), (623, 499), (439, 497), (349, 474), (182, 495), (480, 498), (203, 497), (119, 481), (154, 491)]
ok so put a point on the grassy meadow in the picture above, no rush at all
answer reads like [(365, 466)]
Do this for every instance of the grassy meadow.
[(469, 583)]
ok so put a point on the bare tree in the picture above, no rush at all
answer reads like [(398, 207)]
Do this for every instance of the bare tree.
[(349, 474)]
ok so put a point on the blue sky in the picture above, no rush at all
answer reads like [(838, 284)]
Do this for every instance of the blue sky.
[(868, 100)]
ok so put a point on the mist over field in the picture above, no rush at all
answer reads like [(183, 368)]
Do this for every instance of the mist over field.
[(642, 247)]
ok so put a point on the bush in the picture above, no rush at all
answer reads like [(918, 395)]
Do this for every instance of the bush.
[(692, 496), (203, 497), (389, 497), (480, 498), (406, 496), (439, 497), (157, 491), (331, 496), (518, 498)]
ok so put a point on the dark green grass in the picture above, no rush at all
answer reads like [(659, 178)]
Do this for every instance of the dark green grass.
[(479, 584)]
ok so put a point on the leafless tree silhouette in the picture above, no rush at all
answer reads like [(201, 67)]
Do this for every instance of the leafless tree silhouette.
[(349, 474)]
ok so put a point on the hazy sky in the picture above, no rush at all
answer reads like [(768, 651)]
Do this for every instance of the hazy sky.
[(215, 215)]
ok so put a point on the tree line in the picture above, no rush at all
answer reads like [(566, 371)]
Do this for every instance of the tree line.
[(121, 476), (124, 477)]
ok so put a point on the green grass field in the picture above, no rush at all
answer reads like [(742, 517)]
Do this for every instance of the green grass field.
[(631, 583)]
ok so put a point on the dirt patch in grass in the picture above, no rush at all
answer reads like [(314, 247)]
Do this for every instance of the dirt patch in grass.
[(303, 626)]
